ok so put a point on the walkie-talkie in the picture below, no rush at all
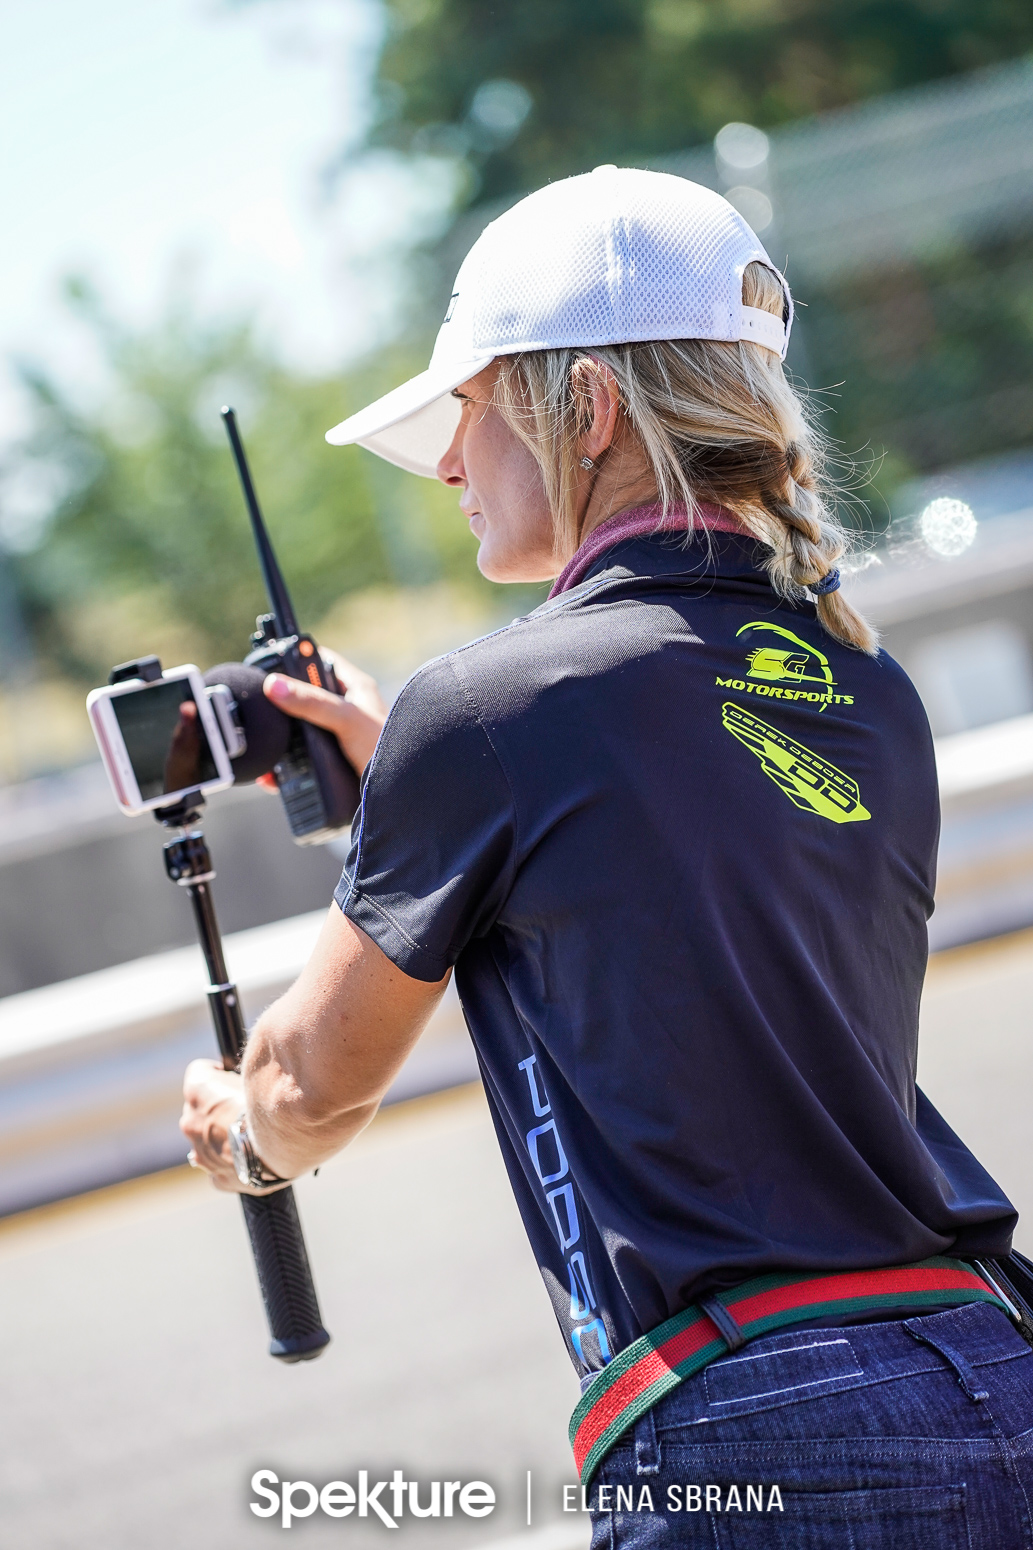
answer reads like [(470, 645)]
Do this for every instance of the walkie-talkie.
[(320, 790)]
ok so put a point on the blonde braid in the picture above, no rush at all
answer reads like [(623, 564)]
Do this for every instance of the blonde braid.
[(805, 541)]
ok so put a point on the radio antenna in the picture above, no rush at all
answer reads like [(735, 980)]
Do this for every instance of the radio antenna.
[(279, 598)]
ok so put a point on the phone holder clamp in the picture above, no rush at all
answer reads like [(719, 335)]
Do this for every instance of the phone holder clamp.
[(147, 668)]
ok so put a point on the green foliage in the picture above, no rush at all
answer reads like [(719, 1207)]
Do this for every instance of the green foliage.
[(626, 80), (936, 358), (143, 542), (931, 361), (146, 543)]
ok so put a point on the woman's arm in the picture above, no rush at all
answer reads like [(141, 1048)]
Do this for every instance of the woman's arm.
[(318, 1062)]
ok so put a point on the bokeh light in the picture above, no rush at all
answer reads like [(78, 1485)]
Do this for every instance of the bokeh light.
[(741, 146), (753, 205), (500, 107), (948, 526)]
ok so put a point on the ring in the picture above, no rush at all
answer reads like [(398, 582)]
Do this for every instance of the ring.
[(192, 1159)]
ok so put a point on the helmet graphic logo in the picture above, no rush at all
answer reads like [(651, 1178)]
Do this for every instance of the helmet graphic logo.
[(774, 664)]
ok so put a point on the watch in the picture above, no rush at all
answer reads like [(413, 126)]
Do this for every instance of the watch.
[(249, 1167)]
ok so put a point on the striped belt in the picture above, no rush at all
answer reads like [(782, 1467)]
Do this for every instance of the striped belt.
[(657, 1362)]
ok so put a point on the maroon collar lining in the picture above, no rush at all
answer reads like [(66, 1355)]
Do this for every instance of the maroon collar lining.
[(640, 521)]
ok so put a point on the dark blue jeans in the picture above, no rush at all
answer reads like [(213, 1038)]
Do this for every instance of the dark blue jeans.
[(915, 1435)]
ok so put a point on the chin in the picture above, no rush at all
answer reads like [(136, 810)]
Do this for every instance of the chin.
[(491, 567), (514, 568), (501, 572)]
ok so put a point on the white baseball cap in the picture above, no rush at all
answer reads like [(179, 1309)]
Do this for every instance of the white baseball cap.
[(613, 256)]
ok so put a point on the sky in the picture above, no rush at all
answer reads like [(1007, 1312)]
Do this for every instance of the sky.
[(139, 141)]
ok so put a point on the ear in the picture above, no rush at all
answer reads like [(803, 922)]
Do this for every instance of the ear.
[(599, 397)]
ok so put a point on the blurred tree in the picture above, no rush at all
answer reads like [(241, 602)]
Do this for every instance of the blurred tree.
[(142, 541), (524, 93), (931, 359), (937, 356)]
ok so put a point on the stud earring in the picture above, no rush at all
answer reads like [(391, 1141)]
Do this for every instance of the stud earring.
[(586, 462)]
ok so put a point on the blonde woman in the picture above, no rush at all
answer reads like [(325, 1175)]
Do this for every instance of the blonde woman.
[(675, 834)]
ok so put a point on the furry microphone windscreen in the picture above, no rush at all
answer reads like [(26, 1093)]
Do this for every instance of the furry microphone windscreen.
[(267, 729)]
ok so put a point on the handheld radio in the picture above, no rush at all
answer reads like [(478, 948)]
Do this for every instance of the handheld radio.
[(319, 788)]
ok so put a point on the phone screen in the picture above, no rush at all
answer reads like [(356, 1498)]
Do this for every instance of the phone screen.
[(164, 737)]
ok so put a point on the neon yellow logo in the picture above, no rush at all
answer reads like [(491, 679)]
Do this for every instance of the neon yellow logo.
[(787, 666), (777, 666), (809, 781)]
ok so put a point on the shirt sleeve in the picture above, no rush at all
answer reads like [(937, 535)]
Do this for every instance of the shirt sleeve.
[(432, 854)]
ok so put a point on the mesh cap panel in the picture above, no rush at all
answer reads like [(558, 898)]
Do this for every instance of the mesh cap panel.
[(607, 258)]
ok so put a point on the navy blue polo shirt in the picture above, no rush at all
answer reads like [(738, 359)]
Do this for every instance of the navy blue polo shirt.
[(679, 845)]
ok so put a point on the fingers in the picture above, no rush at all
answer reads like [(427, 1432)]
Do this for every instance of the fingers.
[(305, 700), (359, 687), (207, 1082), (212, 1100), (355, 725)]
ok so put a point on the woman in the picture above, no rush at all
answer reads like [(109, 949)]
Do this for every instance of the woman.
[(675, 832)]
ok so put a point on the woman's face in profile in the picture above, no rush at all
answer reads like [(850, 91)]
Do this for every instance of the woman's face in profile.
[(503, 494)]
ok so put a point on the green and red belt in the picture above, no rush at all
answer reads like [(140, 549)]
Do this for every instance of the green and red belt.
[(657, 1362)]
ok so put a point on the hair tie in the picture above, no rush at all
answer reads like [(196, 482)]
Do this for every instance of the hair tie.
[(828, 583)]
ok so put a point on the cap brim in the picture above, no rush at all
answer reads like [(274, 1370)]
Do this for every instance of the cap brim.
[(413, 425)]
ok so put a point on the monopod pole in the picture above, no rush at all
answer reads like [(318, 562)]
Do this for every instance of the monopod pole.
[(272, 1221)]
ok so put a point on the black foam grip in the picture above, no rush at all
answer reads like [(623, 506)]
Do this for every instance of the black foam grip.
[(281, 1259)]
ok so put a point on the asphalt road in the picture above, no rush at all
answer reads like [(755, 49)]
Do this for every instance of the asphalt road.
[(137, 1399)]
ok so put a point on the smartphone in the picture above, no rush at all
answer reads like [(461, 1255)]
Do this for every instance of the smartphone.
[(159, 740)]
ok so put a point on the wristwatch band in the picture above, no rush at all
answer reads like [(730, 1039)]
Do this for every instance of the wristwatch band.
[(250, 1168)]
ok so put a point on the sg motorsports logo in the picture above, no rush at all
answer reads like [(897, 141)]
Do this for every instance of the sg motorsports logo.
[(795, 670)]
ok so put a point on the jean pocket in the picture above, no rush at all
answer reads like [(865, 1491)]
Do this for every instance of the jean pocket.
[(917, 1518)]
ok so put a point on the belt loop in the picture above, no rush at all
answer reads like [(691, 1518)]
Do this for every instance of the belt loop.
[(723, 1322), (963, 1371), (647, 1446)]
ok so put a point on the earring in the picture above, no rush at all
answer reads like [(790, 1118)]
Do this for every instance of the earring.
[(586, 462)]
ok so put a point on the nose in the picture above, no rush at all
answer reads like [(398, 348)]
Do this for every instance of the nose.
[(450, 469)]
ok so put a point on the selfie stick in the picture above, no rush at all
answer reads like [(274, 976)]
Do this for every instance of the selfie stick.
[(272, 1221)]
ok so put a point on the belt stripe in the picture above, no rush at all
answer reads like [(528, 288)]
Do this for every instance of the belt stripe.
[(659, 1361)]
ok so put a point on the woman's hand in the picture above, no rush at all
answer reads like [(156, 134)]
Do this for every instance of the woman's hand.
[(355, 718), (212, 1100)]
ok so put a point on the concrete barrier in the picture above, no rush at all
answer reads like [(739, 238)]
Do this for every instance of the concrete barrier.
[(83, 888), (91, 1068), (985, 870)]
